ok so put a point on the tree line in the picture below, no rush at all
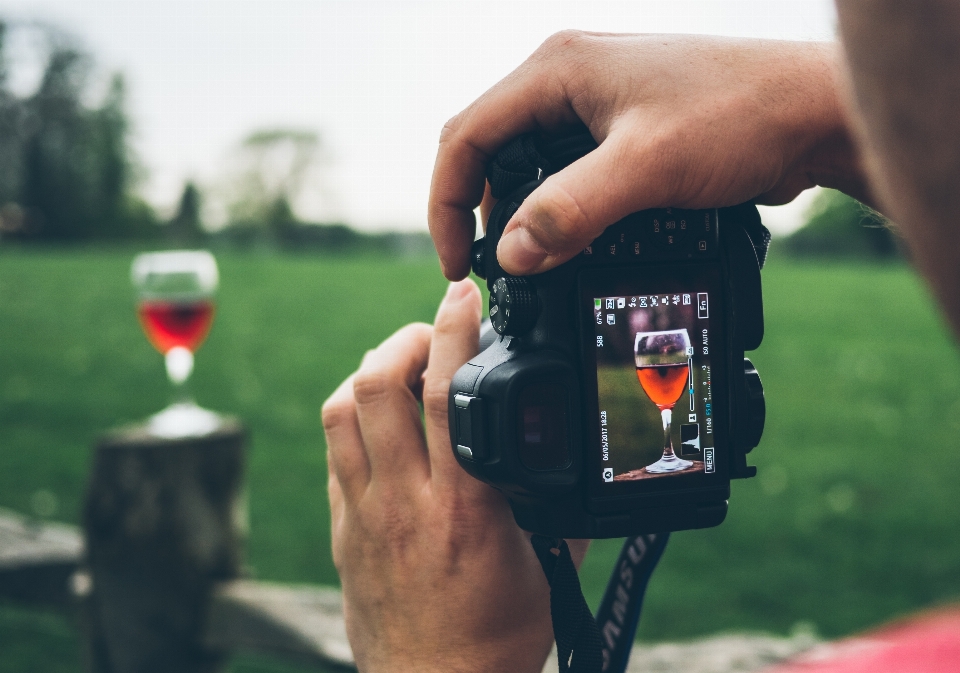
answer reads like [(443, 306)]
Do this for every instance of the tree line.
[(68, 174)]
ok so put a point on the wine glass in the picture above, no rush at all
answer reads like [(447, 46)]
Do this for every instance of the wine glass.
[(663, 370), (175, 305)]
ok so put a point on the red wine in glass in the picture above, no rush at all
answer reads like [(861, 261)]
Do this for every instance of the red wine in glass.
[(170, 324), (663, 371), (663, 384)]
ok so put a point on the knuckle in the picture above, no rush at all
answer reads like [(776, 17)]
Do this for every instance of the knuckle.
[(563, 41), (435, 393), (336, 413), (372, 387), (451, 128)]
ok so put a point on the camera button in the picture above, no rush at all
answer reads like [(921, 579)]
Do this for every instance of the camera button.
[(468, 411), (669, 228), (615, 244)]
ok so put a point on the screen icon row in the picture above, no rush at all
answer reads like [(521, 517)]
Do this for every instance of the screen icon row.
[(654, 300)]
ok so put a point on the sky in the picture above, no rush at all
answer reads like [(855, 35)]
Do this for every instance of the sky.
[(376, 79)]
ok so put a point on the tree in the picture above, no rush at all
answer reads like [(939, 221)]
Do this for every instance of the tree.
[(839, 226), (67, 168), (273, 168), (186, 227)]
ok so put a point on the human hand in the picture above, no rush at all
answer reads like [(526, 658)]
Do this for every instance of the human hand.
[(436, 574), (683, 121)]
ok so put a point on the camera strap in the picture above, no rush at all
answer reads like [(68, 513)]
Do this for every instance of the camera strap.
[(597, 645)]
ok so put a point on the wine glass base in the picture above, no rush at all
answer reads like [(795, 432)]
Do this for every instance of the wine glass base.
[(671, 464), (183, 419)]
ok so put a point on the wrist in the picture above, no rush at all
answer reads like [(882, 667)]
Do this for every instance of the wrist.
[(525, 650), (830, 156)]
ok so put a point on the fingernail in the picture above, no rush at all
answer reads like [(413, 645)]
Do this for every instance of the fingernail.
[(518, 252)]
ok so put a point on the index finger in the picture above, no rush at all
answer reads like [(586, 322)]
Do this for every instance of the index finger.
[(455, 336), (529, 98)]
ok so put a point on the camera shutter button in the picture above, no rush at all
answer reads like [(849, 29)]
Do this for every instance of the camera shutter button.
[(513, 305)]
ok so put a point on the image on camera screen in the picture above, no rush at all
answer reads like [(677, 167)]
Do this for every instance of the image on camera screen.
[(653, 385)]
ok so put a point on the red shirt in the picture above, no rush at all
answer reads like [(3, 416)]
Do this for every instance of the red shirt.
[(926, 643)]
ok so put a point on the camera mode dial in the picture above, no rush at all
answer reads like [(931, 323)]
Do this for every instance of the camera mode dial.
[(513, 305)]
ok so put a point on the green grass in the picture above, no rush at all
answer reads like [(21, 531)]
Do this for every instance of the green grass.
[(853, 519), (37, 641)]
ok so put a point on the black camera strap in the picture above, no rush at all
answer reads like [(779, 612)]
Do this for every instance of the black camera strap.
[(574, 629), (597, 645)]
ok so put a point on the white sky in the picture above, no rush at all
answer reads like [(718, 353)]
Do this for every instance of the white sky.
[(376, 78)]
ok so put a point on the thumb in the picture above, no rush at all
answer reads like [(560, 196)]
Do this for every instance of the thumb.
[(573, 207)]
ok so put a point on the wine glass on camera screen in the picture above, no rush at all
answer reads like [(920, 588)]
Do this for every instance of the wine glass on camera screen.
[(175, 305), (662, 369)]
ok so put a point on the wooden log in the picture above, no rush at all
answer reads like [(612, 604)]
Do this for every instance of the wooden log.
[(37, 559), (163, 520), (302, 624)]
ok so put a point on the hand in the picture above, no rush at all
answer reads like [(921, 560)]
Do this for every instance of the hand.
[(436, 574), (684, 121)]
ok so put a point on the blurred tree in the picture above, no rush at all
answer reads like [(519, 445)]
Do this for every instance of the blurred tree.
[(11, 112), (274, 166), (839, 226), (67, 170), (186, 228)]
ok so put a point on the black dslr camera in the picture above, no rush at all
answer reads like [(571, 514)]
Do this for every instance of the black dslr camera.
[(614, 398)]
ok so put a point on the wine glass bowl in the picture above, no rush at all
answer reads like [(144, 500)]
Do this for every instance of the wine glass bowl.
[(175, 305), (170, 324), (663, 370)]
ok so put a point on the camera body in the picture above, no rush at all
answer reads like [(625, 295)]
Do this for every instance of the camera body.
[(629, 352)]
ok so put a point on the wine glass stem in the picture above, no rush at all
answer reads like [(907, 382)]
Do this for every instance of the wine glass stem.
[(181, 393), (667, 416), (179, 362)]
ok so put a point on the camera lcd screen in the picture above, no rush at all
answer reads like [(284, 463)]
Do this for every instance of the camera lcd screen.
[(654, 393)]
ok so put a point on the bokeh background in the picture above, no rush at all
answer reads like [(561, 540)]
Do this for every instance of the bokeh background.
[(295, 140)]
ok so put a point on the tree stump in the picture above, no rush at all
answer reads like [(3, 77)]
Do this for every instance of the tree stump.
[(164, 521)]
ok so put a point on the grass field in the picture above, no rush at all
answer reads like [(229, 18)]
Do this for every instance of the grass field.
[(854, 518)]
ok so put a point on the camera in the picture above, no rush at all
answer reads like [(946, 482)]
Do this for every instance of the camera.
[(611, 396)]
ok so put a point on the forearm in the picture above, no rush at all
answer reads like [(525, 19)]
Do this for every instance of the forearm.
[(904, 61)]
